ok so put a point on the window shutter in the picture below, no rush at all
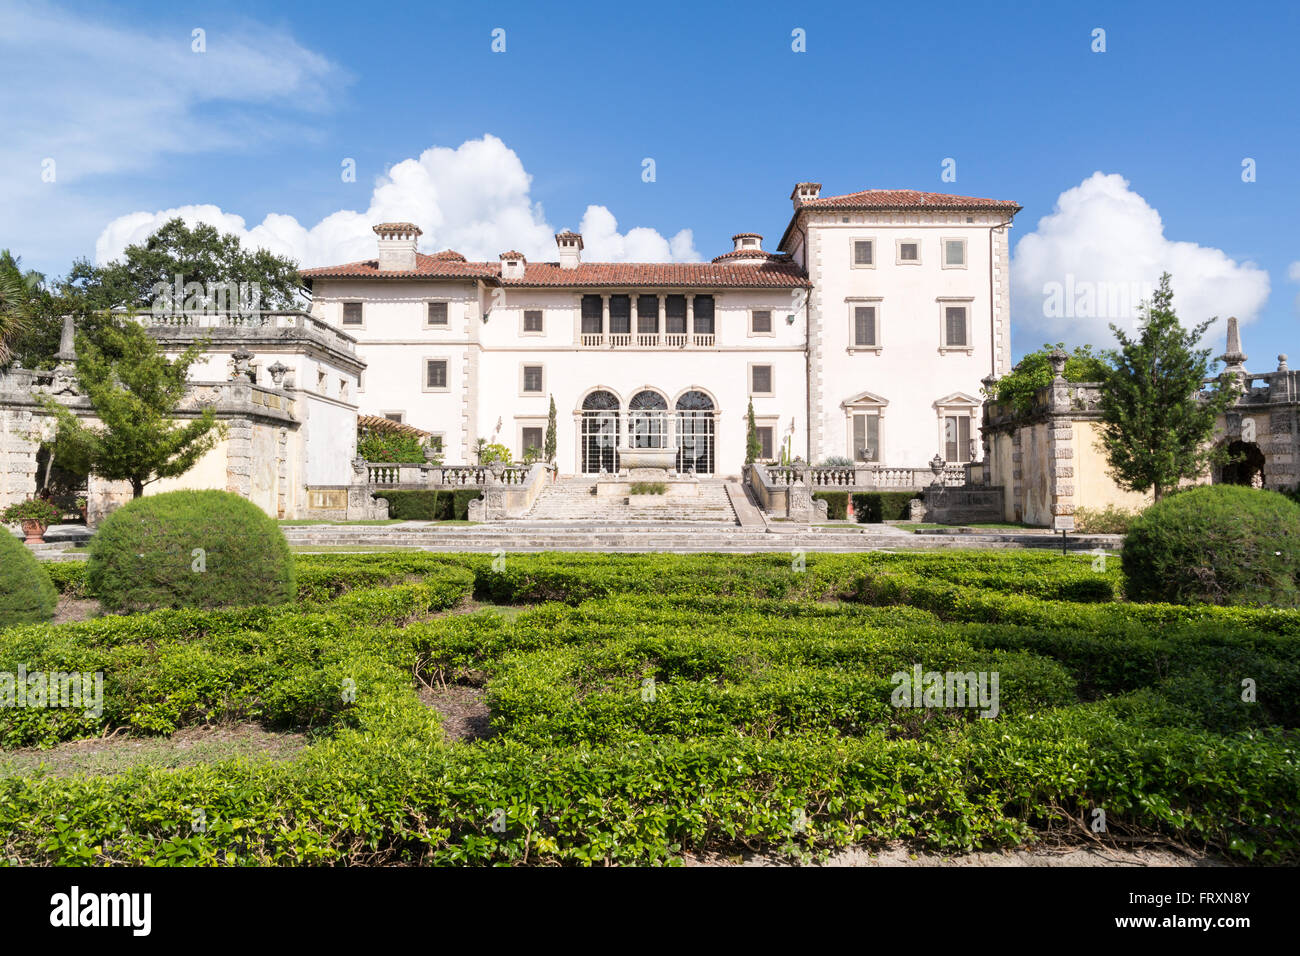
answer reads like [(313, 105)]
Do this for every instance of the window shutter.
[(864, 325), (956, 326)]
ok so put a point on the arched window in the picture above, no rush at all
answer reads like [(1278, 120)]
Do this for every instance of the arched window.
[(600, 432), (695, 433), (648, 420)]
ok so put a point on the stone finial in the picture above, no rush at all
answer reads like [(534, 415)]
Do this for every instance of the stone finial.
[(276, 372), (1281, 363), (988, 381), (1233, 357), (936, 466), (1058, 359), (67, 342), (243, 358)]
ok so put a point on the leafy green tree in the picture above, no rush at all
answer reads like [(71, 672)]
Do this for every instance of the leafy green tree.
[(16, 303), (1156, 425), (1034, 371), (134, 395), (549, 450), (199, 255), (753, 448)]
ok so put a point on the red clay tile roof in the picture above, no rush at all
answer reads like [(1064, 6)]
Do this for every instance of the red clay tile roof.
[(778, 272), (751, 253), (448, 254), (906, 199), (511, 255), (746, 235)]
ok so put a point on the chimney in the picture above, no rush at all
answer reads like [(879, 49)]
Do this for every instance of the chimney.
[(747, 242), (397, 246), (803, 192), (513, 265), (570, 244)]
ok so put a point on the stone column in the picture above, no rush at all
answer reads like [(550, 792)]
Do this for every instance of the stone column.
[(1060, 447), (690, 315), (631, 296), (604, 313), (661, 316)]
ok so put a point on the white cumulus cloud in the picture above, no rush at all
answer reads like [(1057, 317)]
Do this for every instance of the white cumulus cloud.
[(474, 199), (1101, 250)]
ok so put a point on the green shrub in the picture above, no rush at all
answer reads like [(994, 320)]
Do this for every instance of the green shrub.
[(26, 593), (837, 503), (1217, 544), (648, 488), (189, 549), (876, 506), (429, 505), (1107, 520)]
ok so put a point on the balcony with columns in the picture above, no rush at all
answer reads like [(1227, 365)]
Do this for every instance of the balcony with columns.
[(647, 321)]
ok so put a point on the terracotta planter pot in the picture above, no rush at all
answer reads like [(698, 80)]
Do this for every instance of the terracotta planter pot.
[(35, 531)]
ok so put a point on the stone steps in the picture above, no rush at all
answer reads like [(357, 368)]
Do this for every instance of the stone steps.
[(574, 499)]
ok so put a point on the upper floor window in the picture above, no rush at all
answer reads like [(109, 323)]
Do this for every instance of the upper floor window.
[(956, 326), (954, 253), (592, 315), (675, 314), (532, 380), (760, 380), (703, 315), (532, 321), (760, 322), (864, 326), (620, 314), (435, 374), (647, 314), (909, 252), (864, 253), (398, 417), (437, 315), (351, 313)]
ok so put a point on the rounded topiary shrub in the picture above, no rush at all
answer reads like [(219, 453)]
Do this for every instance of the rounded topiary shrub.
[(1217, 544), (189, 549), (26, 594)]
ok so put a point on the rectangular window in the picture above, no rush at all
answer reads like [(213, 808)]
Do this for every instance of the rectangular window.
[(532, 438), (532, 320), (863, 251), (532, 378), (704, 315), (592, 315), (435, 442), (864, 326), (760, 380), (620, 314), (351, 313), (909, 251), (435, 373), (956, 438), (395, 416), (647, 314), (760, 322), (766, 442), (954, 253), (437, 315), (866, 437), (675, 314), (955, 326)]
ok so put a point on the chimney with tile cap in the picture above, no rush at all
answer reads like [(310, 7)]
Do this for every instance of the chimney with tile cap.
[(397, 245), (570, 245)]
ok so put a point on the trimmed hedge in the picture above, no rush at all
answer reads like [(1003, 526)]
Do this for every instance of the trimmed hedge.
[(771, 704), (429, 505), (26, 594), (873, 507), (189, 549), (1216, 544)]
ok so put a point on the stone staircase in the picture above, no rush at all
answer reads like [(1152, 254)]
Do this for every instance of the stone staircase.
[(574, 500)]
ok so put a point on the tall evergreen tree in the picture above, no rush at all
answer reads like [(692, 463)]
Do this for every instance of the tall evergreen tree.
[(753, 448), (134, 391), (549, 450), (1156, 425)]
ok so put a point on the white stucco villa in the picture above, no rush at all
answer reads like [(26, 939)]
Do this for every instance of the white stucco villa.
[(865, 335)]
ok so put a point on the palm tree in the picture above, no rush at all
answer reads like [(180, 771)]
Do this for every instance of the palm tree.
[(15, 302)]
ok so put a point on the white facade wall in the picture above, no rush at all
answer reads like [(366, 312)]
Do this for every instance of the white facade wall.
[(910, 378)]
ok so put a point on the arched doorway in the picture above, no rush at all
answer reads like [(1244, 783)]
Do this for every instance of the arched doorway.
[(647, 420), (1245, 465), (695, 433), (600, 433)]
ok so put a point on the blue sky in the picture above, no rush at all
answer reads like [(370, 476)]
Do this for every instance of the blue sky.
[(258, 124)]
